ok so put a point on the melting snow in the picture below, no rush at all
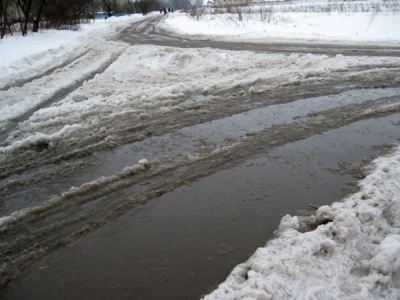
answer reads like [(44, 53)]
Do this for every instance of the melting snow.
[(354, 253)]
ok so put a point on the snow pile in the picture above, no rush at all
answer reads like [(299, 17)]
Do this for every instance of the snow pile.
[(354, 253)]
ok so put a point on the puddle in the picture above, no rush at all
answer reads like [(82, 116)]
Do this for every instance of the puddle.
[(185, 242), (218, 132), (211, 134)]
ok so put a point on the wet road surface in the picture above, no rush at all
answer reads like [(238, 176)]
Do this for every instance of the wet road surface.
[(219, 178)]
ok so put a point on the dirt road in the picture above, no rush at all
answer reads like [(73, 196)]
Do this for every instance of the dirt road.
[(209, 144)]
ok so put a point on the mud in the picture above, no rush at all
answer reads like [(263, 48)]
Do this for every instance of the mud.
[(221, 168), (147, 32), (186, 241)]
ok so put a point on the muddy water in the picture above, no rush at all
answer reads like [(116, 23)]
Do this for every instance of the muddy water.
[(210, 135), (183, 243)]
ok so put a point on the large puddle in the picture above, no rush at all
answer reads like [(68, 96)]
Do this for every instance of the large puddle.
[(186, 140), (219, 131), (185, 242)]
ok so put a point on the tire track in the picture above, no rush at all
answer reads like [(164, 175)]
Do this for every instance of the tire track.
[(21, 82), (48, 99), (128, 128), (149, 32), (31, 234)]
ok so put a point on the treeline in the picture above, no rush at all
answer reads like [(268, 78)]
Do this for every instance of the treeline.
[(24, 16)]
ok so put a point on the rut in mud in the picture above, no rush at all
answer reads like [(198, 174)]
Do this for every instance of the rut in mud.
[(87, 169)]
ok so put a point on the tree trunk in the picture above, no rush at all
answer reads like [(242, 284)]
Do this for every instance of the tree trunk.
[(25, 7), (38, 16)]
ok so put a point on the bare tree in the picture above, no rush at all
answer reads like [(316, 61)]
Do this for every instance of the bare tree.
[(24, 11), (129, 7), (110, 6), (43, 14), (65, 14), (40, 5), (146, 6), (5, 18)]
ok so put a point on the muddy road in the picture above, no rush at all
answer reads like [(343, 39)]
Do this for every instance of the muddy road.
[(159, 199), (147, 32)]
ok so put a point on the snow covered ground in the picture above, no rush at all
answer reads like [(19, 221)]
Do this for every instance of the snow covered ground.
[(354, 253), (24, 54), (315, 27)]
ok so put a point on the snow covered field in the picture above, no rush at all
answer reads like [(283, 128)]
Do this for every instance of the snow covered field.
[(60, 89), (341, 25)]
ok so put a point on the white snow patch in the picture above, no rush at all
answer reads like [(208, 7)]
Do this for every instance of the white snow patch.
[(311, 27)]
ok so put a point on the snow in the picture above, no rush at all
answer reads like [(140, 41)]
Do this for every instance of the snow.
[(322, 27), (26, 54), (336, 27), (161, 75), (354, 253)]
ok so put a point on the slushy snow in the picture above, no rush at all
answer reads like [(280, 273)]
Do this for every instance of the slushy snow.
[(353, 253)]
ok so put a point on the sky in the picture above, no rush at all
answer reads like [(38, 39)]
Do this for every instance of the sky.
[(354, 255)]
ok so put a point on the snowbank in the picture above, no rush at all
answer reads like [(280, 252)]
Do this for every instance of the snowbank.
[(354, 253)]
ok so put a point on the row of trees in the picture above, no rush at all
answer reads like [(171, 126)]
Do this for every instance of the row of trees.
[(24, 16)]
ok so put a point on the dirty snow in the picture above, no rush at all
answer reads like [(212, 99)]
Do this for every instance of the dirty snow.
[(353, 254)]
